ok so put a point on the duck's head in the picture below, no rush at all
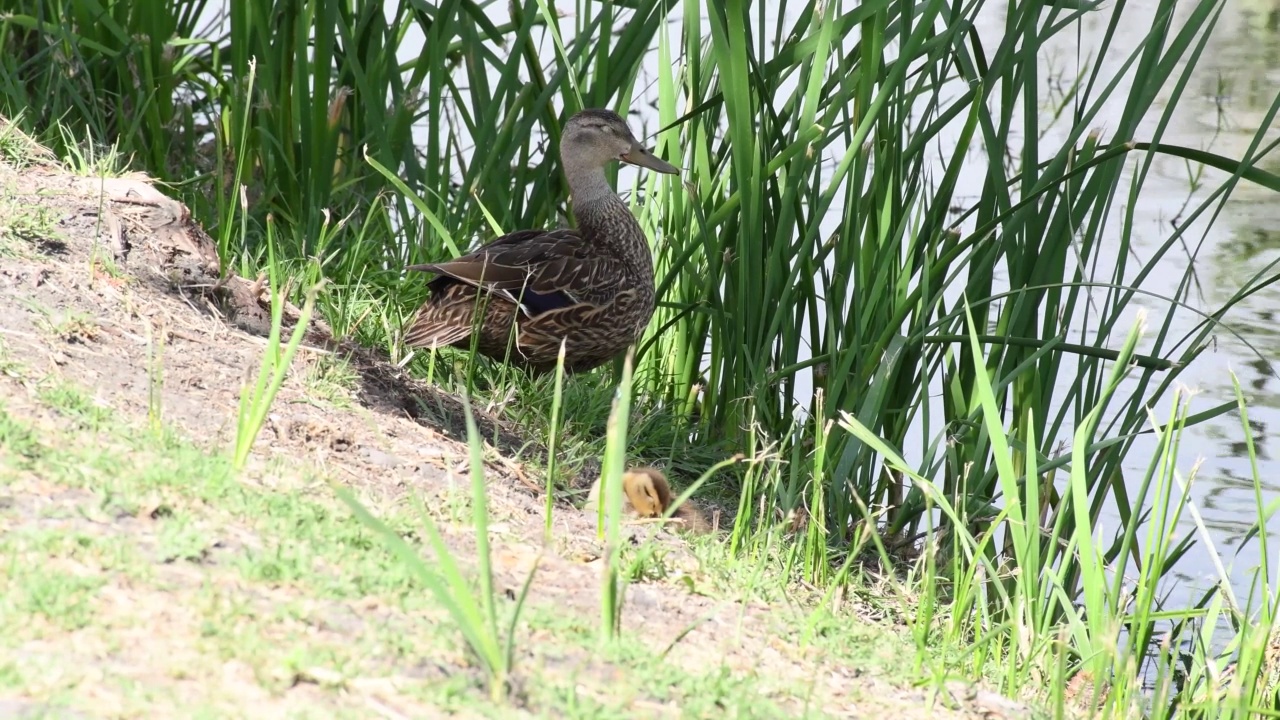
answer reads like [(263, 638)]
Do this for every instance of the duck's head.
[(595, 138)]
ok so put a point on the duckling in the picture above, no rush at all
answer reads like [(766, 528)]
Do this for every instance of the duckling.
[(648, 495)]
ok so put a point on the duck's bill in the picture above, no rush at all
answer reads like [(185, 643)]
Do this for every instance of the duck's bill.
[(641, 157)]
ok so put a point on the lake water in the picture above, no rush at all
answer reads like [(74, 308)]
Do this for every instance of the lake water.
[(1233, 87)]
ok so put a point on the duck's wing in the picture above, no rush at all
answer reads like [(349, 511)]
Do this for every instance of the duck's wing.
[(539, 270)]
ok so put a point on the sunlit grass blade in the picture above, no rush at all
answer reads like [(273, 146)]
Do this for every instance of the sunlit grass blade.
[(473, 612), (609, 514), (255, 400), (553, 434)]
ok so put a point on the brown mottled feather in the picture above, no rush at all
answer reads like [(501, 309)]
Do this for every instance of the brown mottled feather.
[(608, 299), (592, 286)]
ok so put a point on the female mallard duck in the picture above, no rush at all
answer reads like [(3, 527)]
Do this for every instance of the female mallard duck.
[(591, 287)]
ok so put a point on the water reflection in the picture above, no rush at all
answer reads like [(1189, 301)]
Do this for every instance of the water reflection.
[(1234, 85)]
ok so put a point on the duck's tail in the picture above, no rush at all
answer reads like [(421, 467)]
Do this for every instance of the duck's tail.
[(444, 319)]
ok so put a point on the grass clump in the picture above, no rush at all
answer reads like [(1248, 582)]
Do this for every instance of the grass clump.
[(473, 613)]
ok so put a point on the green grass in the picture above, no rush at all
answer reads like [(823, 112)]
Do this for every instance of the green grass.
[(808, 242), (139, 528), (473, 612), (21, 223)]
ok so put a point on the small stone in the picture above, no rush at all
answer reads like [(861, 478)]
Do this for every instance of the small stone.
[(374, 456)]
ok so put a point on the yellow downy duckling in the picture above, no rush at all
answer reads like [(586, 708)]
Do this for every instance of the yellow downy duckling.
[(647, 494)]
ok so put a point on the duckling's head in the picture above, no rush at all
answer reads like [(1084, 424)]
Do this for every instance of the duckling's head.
[(594, 138), (648, 491)]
